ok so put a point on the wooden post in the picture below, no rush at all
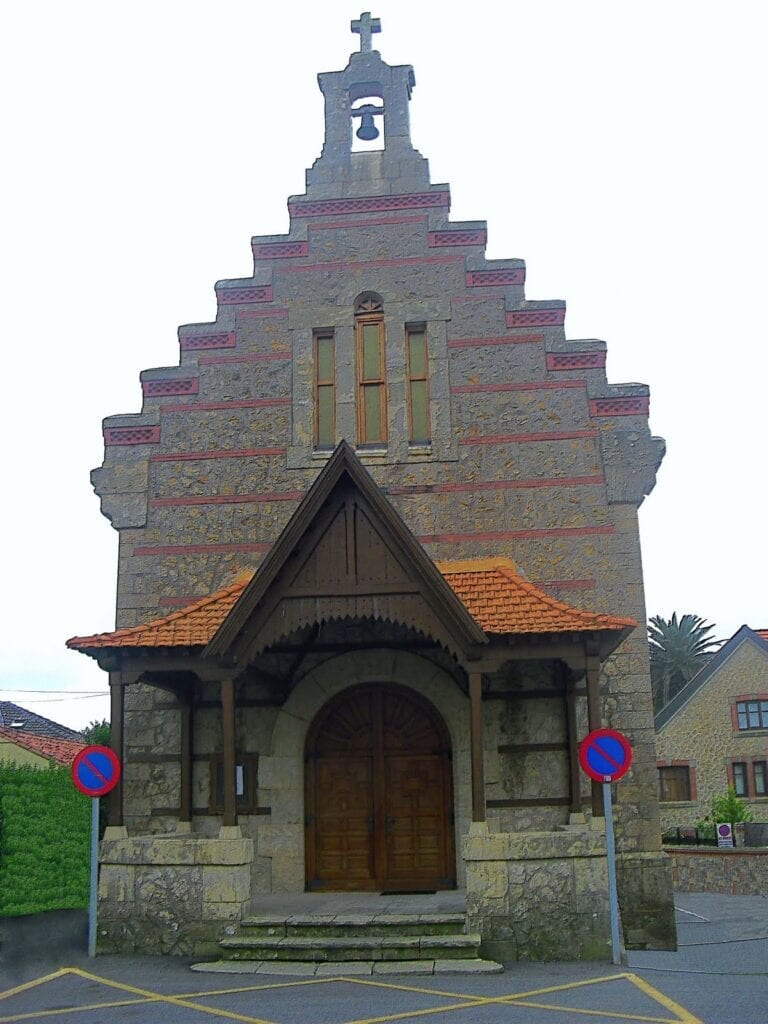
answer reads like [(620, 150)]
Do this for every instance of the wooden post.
[(228, 731), (594, 714), (573, 743), (185, 801), (116, 718), (476, 743)]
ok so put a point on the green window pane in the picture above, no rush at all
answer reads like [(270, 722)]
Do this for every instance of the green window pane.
[(325, 359), (373, 424), (325, 415), (417, 354), (419, 411), (371, 352)]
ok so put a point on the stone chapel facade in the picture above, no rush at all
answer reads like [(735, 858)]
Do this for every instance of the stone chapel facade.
[(438, 495)]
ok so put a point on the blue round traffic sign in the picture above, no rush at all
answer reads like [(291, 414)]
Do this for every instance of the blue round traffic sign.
[(96, 770), (605, 755)]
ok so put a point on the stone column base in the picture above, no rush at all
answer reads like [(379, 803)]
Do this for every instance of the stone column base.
[(171, 894), (539, 895)]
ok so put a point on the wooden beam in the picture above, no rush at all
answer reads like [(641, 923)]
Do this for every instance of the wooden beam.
[(116, 718), (228, 737), (573, 747), (595, 718), (476, 742), (185, 758)]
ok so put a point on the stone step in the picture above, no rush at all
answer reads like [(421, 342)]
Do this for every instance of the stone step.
[(338, 949), (341, 925), (309, 969)]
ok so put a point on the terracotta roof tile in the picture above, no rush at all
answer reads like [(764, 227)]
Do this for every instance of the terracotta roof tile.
[(61, 751), (492, 590), (763, 633), (501, 601)]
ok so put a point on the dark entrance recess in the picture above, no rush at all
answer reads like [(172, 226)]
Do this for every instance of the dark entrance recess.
[(379, 794)]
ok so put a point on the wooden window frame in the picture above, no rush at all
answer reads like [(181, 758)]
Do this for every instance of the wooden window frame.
[(412, 329), (739, 778), (763, 766), (742, 713), (247, 801), (362, 320), (670, 773), (317, 336)]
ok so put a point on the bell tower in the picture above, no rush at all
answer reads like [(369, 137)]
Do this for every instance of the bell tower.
[(368, 102)]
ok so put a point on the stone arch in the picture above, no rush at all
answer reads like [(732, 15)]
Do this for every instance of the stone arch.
[(282, 772)]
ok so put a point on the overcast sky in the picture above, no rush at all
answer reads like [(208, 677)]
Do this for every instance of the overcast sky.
[(618, 147)]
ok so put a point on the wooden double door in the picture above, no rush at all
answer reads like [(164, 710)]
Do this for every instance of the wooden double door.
[(379, 794)]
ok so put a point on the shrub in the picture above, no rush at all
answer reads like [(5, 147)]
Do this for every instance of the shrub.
[(44, 840)]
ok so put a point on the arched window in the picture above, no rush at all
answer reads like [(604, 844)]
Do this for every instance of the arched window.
[(371, 369)]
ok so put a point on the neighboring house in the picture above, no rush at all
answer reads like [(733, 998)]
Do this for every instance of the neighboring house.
[(438, 493), (40, 751), (20, 720), (714, 733)]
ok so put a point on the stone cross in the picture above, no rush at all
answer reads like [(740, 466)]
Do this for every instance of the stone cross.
[(366, 26)]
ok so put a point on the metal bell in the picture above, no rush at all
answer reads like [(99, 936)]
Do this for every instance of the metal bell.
[(367, 130)]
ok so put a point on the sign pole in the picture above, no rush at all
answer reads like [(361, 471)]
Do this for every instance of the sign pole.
[(613, 896), (94, 887)]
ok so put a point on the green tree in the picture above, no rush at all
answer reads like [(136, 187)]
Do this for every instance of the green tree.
[(678, 649), (97, 732)]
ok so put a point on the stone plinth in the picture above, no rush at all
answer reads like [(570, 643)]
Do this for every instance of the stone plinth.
[(172, 893), (538, 895)]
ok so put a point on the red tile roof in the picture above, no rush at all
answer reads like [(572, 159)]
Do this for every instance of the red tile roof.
[(763, 633), (492, 590), (61, 751), (501, 601)]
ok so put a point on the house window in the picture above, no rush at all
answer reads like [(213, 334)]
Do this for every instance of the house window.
[(674, 783), (739, 769), (371, 370), (325, 389), (245, 784), (752, 714), (760, 772), (418, 388)]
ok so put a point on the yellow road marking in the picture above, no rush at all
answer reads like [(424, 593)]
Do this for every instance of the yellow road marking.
[(593, 1013), (173, 1000), (685, 1016), (33, 984)]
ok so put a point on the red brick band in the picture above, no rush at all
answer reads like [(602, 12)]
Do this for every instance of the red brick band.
[(438, 239), (226, 499), (490, 278), (535, 317), (224, 453), (369, 222), (279, 250), (554, 531), (575, 360), (635, 406), (402, 261), (502, 339), (131, 435), (554, 435), (199, 549), (236, 296), (250, 403), (218, 339), (247, 357), (161, 388), (498, 485), (539, 385), (370, 204)]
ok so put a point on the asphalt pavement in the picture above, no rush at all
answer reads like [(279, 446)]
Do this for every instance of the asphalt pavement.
[(718, 976)]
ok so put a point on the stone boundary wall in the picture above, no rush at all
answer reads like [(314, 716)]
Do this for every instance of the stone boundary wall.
[(733, 872)]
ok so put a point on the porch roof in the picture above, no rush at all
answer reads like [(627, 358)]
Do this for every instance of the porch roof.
[(491, 589)]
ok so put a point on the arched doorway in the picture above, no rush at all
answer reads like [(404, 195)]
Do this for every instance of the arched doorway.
[(379, 794)]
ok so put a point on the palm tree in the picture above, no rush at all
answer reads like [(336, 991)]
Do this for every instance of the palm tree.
[(678, 649)]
